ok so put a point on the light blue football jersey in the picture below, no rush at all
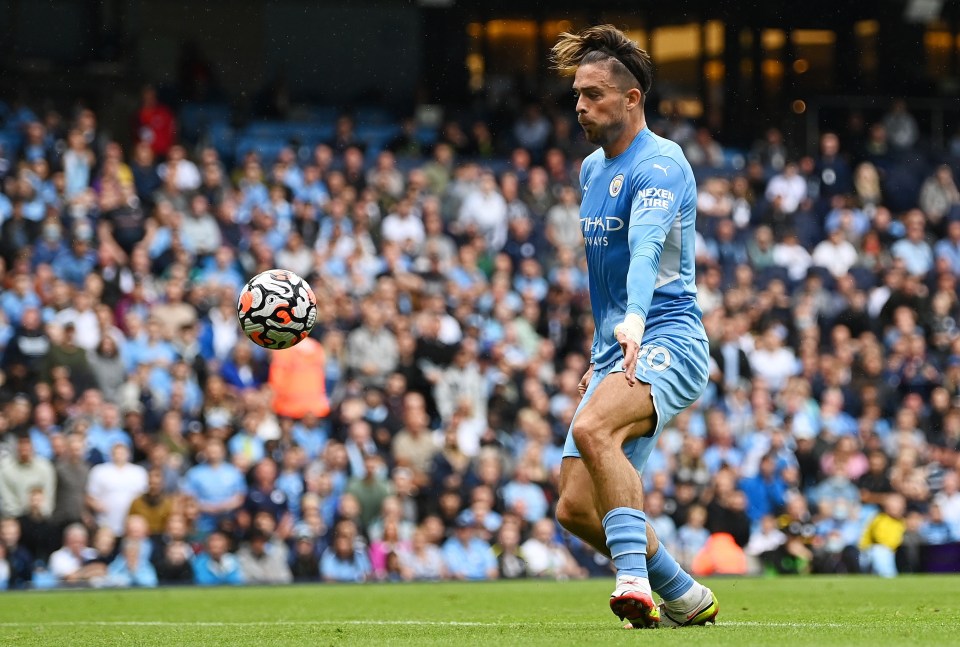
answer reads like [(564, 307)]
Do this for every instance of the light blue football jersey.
[(637, 217)]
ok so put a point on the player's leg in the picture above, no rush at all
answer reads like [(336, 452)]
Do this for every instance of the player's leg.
[(616, 414), (577, 507), (685, 601)]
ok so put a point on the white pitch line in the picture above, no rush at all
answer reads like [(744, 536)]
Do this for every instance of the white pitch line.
[(410, 623), (265, 623)]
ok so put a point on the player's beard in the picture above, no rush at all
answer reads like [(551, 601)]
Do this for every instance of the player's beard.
[(604, 135)]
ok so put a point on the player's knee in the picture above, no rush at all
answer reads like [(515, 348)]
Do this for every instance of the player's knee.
[(587, 435)]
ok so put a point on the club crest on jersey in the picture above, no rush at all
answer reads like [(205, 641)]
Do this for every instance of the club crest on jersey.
[(615, 185)]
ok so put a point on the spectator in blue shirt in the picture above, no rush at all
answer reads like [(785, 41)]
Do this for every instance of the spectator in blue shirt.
[(765, 491), (343, 561), (914, 251), (50, 247), (935, 530), (129, 570), (949, 247), (74, 266), (247, 443), (467, 556), (524, 496), (218, 487), (216, 565), (154, 351), (104, 434), (18, 298)]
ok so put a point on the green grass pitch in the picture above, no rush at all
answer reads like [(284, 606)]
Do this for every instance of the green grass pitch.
[(784, 612)]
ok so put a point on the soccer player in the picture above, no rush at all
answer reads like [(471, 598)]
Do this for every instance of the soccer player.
[(649, 355)]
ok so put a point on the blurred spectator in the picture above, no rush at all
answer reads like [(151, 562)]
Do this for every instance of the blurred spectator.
[(113, 486), (129, 569), (546, 557), (218, 487), (372, 348), (22, 472), (74, 563), (155, 506), (883, 536), (703, 150), (467, 557), (305, 565), (19, 560), (836, 253), (511, 562), (913, 250), (413, 446), (38, 534), (343, 561), (484, 213), (156, 124), (771, 150), (939, 195), (423, 561), (216, 565), (901, 127), (72, 473), (692, 535), (263, 560)]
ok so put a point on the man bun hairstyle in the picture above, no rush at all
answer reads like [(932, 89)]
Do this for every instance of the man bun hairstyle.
[(604, 43)]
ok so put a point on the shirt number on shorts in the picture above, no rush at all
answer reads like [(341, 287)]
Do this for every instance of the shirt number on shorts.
[(657, 357)]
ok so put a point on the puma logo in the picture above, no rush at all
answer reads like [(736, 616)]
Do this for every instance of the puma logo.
[(662, 168)]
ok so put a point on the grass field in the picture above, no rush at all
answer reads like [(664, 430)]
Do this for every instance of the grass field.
[(784, 612)]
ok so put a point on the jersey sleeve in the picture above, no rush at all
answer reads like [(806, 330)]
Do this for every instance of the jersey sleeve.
[(584, 174), (659, 184)]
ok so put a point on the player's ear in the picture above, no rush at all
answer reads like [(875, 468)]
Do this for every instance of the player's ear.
[(634, 98)]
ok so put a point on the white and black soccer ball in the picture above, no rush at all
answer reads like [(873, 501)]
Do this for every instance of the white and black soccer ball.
[(277, 309)]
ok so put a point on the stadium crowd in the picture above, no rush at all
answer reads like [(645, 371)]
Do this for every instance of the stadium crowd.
[(417, 433)]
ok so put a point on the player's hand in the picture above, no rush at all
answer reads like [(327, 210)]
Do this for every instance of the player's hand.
[(629, 334), (585, 381), (630, 350)]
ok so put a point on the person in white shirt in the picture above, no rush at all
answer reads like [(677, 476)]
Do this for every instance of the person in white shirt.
[(404, 227), (789, 187), (485, 211), (113, 486), (835, 253), (70, 564), (547, 558), (772, 361), (186, 173), (790, 254)]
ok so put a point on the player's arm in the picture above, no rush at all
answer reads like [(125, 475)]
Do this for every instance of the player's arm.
[(656, 200)]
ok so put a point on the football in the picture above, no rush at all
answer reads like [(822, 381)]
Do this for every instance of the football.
[(277, 309)]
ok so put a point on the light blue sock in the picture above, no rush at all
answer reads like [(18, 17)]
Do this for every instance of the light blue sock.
[(626, 531), (666, 577)]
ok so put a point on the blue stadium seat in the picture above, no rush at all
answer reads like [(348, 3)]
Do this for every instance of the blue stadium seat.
[(427, 136), (373, 116), (267, 147), (773, 273), (10, 140), (195, 118)]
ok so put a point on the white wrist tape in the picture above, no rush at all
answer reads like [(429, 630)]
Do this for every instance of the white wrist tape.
[(632, 326)]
